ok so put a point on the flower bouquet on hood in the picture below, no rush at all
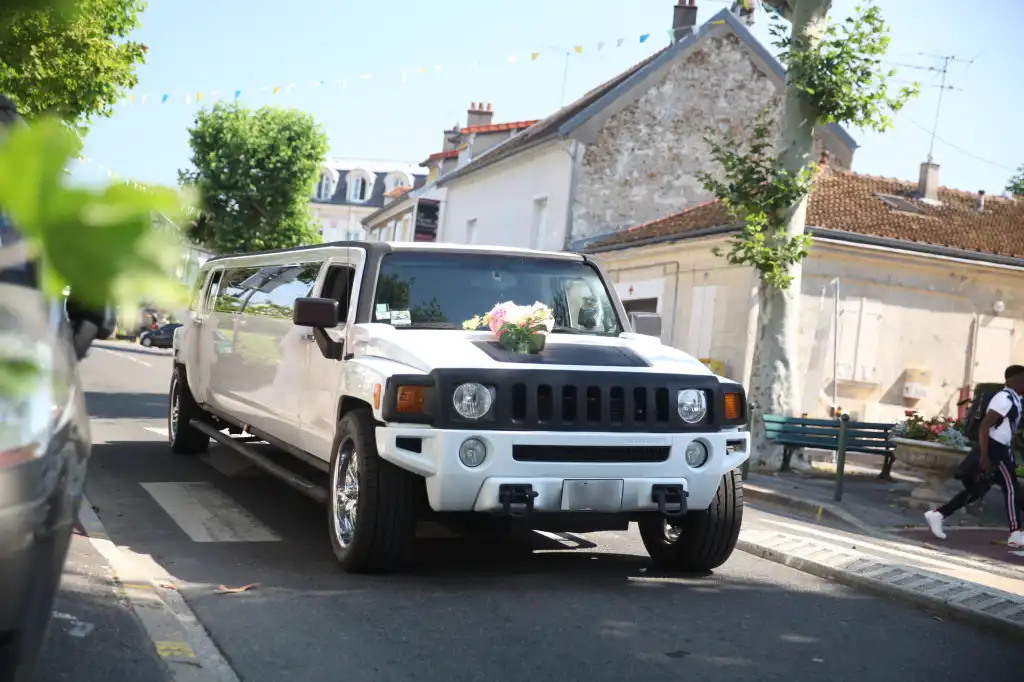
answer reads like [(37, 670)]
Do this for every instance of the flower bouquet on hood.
[(518, 328)]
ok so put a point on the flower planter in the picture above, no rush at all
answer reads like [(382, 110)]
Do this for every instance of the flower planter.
[(937, 461)]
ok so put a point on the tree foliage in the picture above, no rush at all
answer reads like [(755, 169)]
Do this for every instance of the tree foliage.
[(758, 191), (72, 60), (841, 73), (1015, 186), (255, 171)]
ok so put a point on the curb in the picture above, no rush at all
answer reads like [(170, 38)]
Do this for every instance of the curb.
[(820, 510), (178, 637), (991, 609)]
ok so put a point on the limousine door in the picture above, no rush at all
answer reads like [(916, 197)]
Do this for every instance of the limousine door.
[(322, 384)]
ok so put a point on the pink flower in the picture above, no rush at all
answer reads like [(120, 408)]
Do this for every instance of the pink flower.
[(498, 315)]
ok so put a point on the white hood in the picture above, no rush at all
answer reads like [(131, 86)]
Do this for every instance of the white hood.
[(428, 349)]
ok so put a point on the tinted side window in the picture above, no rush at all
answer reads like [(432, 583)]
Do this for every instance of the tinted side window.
[(229, 298), (278, 289), (213, 291)]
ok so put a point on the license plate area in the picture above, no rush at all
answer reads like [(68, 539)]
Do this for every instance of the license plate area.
[(592, 495)]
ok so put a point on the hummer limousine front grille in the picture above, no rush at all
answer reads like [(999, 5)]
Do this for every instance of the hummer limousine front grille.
[(558, 400)]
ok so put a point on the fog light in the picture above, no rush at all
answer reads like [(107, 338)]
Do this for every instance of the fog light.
[(696, 454), (472, 452)]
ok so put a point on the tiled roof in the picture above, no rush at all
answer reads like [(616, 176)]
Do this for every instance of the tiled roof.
[(498, 127), (849, 202), (397, 192), (450, 154)]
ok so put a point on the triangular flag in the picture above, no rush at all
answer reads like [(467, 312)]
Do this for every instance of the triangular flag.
[(512, 58), (579, 49), (644, 37), (600, 44), (437, 69), (720, 21), (164, 99), (188, 100), (144, 99), (131, 98), (366, 76), (423, 69), (533, 56), (405, 76), (277, 89), (199, 96), (618, 43), (238, 93)]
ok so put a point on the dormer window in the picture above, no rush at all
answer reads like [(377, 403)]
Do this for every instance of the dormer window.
[(360, 186), (326, 185)]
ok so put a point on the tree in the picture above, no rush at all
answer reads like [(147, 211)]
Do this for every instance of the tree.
[(1016, 184), (834, 75), (255, 172), (69, 60)]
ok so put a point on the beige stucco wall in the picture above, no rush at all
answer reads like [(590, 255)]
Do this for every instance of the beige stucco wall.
[(899, 313), (644, 161)]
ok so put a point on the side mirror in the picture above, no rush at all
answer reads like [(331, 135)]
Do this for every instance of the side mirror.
[(648, 324), (318, 313)]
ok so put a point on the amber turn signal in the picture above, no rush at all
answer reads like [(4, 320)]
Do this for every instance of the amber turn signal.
[(733, 406), (410, 399)]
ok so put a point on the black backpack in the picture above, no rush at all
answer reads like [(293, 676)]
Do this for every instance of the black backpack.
[(977, 411)]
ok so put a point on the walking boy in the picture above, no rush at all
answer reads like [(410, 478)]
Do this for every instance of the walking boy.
[(995, 457)]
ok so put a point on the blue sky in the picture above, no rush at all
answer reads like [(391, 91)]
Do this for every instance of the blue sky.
[(198, 46)]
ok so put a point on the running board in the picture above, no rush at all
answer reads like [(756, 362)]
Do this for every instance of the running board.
[(318, 493)]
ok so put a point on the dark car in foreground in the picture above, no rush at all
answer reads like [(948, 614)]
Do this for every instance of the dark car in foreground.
[(159, 338)]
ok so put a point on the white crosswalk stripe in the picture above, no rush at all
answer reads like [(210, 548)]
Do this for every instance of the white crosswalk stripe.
[(206, 514)]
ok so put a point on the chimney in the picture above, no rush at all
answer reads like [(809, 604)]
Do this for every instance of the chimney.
[(479, 114), (981, 200), (928, 182), (684, 18)]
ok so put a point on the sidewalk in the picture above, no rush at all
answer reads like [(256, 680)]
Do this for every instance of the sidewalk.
[(872, 540)]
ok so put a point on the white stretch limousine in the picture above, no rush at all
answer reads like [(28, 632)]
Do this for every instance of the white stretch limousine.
[(353, 361)]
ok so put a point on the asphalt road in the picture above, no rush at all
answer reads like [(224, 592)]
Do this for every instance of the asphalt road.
[(540, 608)]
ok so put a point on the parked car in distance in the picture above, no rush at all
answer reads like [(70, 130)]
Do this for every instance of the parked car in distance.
[(352, 358), (159, 338)]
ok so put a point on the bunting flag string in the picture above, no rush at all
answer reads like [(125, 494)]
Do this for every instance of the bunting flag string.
[(114, 175), (198, 96)]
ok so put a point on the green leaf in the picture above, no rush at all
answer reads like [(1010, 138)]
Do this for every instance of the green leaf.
[(18, 378), (101, 243)]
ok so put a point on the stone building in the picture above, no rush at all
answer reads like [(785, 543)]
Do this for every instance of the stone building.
[(629, 150)]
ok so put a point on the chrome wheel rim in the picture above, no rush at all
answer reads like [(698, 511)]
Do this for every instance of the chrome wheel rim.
[(172, 421), (671, 532), (346, 492)]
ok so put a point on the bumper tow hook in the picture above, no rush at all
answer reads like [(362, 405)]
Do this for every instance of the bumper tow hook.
[(671, 499)]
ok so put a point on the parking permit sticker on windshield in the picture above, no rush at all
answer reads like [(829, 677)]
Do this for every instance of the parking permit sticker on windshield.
[(400, 318), (382, 312)]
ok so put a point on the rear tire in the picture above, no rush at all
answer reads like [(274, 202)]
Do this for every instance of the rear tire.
[(184, 438), (372, 505), (701, 540)]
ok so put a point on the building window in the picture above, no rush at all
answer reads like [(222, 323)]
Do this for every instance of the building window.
[(471, 231), (325, 187)]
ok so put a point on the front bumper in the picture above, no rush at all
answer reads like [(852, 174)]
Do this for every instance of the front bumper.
[(453, 487)]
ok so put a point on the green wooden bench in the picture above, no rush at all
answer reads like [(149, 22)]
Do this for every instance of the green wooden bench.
[(841, 435)]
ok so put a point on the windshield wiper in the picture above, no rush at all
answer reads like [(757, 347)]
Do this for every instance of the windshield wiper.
[(562, 329)]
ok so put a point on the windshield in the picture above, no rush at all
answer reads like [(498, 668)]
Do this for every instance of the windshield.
[(424, 289)]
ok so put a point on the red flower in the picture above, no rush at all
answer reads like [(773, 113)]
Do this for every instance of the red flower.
[(908, 413)]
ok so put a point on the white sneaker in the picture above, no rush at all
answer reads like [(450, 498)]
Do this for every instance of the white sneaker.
[(934, 521), (1016, 540)]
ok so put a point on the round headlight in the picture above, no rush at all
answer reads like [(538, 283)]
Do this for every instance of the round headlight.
[(692, 405), (472, 452), (472, 401), (696, 454)]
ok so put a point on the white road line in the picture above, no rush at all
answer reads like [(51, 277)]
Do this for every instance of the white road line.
[(127, 356), (208, 515), (159, 430)]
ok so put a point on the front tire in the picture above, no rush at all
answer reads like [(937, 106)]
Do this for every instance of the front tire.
[(372, 504), (702, 540), (146, 341), (184, 438)]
